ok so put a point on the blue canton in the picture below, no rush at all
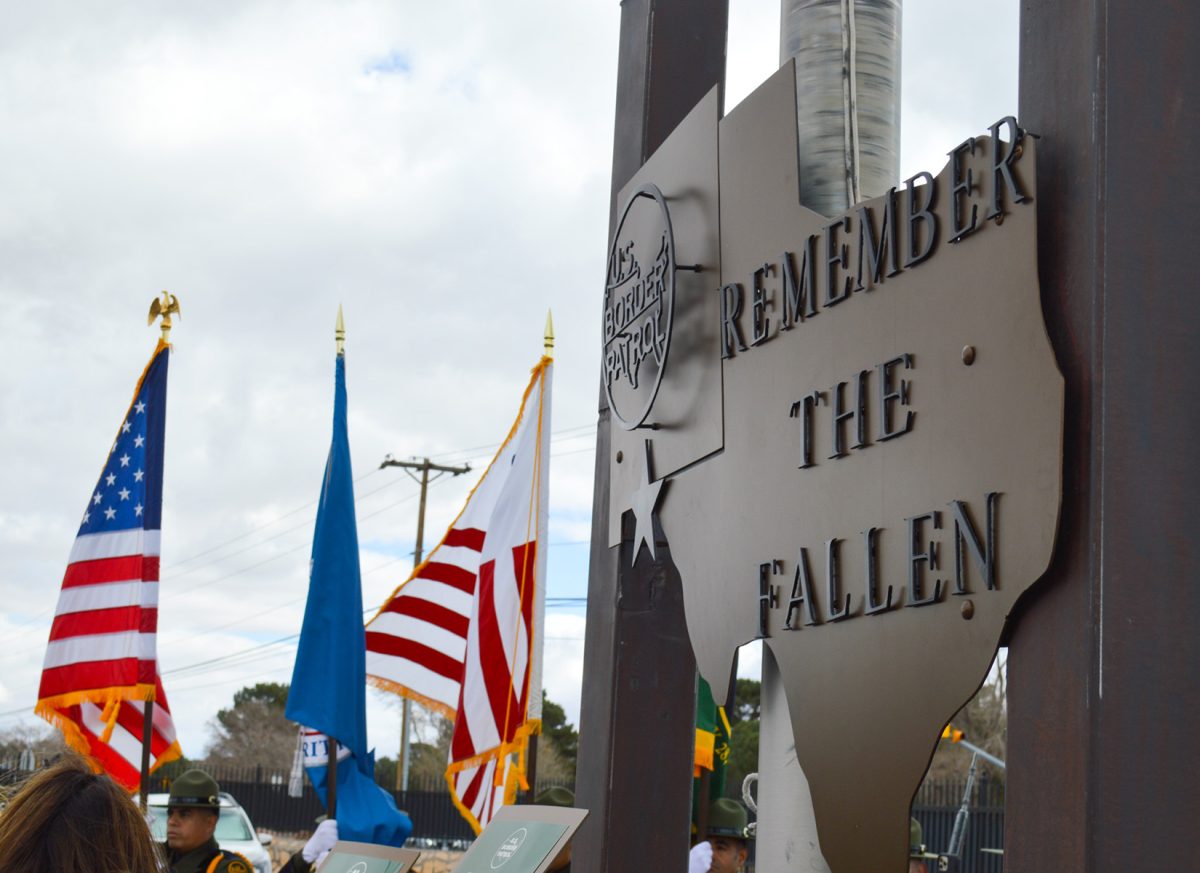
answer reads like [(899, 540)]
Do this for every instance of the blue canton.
[(119, 500), (128, 495)]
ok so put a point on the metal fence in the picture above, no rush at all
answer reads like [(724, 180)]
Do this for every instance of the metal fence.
[(264, 796), (937, 804)]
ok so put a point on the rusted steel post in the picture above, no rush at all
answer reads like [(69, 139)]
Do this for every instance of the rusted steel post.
[(637, 716), (1103, 703)]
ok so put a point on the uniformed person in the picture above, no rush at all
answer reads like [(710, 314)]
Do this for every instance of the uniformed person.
[(728, 835), (318, 846), (192, 812), (917, 856)]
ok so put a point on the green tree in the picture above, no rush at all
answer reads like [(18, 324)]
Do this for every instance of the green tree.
[(254, 731), (743, 755), (747, 701), (428, 756), (559, 734), (743, 714), (385, 772)]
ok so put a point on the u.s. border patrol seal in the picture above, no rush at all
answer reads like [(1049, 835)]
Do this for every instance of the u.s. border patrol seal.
[(639, 302)]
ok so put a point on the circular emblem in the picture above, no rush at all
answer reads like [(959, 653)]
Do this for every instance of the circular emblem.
[(639, 303), (509, 848), (360, 867), (236, 866)]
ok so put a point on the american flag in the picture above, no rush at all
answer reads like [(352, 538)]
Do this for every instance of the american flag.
[(101, 662), (463, 634)]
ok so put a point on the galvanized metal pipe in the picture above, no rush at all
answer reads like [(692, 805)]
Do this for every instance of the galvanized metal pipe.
[(847, 56)]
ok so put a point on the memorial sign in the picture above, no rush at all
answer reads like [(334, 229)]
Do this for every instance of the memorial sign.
[(521, 839), (351, 857), (849, 429)]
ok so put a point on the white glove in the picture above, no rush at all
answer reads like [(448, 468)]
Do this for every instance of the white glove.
[(320, 842), (700, 857)]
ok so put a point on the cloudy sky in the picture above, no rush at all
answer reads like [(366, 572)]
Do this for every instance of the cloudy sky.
[(439, 169)]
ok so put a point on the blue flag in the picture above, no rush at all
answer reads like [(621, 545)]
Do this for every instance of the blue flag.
[(365, 812), (328, 691)]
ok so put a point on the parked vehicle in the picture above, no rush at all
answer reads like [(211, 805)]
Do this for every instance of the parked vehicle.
[(234, 829)]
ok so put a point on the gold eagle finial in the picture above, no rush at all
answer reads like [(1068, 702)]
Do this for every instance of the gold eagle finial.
[(164, 307)]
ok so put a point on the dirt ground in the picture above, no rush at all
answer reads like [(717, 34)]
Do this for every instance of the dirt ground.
[(283, 846)]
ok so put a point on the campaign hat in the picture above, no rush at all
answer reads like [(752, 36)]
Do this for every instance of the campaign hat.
[(195, 789)]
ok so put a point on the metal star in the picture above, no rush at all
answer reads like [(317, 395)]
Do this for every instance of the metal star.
[(645, 499)]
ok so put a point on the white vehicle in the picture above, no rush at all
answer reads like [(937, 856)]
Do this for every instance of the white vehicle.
[(234, 831)]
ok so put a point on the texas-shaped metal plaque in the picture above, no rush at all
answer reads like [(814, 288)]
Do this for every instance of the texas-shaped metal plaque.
[(875, 476)]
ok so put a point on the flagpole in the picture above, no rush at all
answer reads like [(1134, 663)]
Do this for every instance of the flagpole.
[(532, 762), (331, 764), (159, 308), (147, 732), (331, 778)]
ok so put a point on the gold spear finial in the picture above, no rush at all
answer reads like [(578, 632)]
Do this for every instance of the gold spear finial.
[(163, 307), (339, 332), (549, 335)]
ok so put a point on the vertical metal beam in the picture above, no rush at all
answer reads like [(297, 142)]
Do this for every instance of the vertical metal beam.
[(637, 715), (1103, 702)]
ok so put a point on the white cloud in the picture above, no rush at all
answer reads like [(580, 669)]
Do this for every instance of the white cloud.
[(255, 160)]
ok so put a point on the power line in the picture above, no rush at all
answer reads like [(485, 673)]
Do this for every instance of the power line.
[(172, 592), (270, 610), (278, 519), (364, 517), (271, 649), (488, 449), (29, 625)]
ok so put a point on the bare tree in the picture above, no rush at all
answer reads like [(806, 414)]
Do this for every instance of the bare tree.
[(984, 722), (40, 740), (254, 731)]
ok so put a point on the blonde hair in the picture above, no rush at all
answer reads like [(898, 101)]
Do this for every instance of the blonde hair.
[(67, 818)]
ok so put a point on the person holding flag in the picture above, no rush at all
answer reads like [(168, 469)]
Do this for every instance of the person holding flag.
[(100, 684), (463, 634), (328, 690)]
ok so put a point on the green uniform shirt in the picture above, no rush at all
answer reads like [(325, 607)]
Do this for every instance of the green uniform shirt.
[(207, 858)]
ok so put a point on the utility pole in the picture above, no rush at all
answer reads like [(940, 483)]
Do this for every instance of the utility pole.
[(425, 466)]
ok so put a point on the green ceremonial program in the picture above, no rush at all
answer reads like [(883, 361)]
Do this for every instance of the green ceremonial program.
[(349, 862), (510, 847)]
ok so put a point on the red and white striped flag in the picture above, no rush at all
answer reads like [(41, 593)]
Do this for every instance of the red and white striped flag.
[(463, 634), (101, 661)]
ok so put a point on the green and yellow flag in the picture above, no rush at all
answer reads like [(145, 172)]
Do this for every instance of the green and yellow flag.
[(712, 748)]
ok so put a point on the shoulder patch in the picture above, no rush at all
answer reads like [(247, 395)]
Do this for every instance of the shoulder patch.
[(237, 865)]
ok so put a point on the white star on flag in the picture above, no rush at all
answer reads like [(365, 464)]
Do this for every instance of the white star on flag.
[(137, 476), (138, 440), (139, 407), (99, 677)]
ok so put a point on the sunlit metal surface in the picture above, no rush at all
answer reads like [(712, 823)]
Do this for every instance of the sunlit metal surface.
[(847, 95)]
